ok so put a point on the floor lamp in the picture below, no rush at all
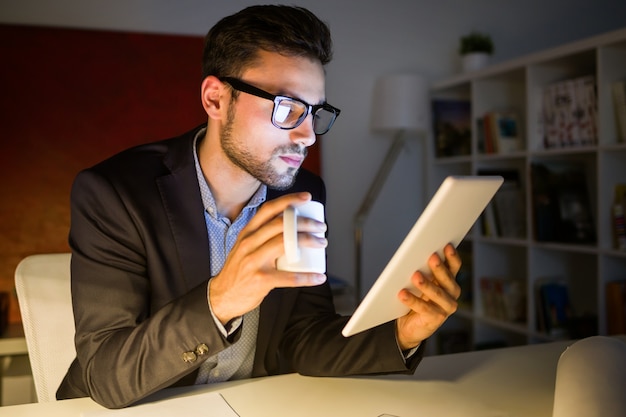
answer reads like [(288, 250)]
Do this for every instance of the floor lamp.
[(400, 105)]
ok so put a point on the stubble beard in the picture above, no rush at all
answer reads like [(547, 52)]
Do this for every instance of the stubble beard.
[(263, 171)]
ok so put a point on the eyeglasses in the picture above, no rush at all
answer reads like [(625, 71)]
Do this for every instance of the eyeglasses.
[(289, 112)]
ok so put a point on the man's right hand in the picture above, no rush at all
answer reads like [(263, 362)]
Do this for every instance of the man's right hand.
[(250, 273)]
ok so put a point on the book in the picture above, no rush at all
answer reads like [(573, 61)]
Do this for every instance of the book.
[(618, 91), (503, 298), (502, 132), (452, 127), (616, 307), (508, 133), (549, 121), (559, 113), (618, 217), (510, 211), (554, 310), (488, 221), (488, 133), (585, 112), (561, 204), (569, 116), (505, 216), (514, 300), (480, 135)]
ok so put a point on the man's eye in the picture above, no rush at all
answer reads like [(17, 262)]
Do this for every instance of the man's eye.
[(282, 112), (287, 111)]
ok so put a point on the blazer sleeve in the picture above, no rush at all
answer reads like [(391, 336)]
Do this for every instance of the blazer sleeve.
[(315, 346), (312, 343), (128, 345)]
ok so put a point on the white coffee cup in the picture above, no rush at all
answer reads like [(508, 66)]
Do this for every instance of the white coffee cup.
[(301, 259)]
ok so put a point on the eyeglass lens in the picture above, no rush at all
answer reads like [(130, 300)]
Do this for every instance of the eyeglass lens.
[(323, 120), (289, 113)]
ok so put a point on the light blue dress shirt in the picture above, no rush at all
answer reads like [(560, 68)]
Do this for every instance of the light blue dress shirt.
[(234, 362)]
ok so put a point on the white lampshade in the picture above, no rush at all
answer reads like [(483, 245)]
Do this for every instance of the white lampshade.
[(401, 102)]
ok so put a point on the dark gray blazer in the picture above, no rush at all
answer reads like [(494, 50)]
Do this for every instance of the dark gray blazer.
[(140, 267)]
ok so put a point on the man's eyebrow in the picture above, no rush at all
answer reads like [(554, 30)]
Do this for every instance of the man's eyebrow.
[(286, 93)]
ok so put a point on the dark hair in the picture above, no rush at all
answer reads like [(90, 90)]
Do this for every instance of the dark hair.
[(232, 44)]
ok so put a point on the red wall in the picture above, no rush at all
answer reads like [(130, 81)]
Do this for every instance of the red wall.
[(70, 98)]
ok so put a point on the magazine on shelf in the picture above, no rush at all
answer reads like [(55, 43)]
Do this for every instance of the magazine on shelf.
[(569, 114)]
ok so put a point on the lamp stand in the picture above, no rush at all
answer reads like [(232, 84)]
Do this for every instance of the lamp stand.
[(368, 201)]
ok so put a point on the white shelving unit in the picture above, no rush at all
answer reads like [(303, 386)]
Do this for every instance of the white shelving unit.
[(586, 267)]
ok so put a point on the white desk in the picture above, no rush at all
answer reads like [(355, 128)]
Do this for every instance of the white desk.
[(511, 382)]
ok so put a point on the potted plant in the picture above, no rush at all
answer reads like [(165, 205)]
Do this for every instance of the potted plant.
[(475, 49)]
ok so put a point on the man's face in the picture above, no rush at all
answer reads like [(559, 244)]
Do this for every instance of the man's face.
[(248, 137)]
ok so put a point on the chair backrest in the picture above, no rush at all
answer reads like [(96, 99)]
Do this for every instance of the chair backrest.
[(42, 284)]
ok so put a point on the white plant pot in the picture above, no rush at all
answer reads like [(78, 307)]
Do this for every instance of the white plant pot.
[(474, 61)]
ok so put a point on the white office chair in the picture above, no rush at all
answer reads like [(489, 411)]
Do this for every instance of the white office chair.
[(42, 284), (590, 379)]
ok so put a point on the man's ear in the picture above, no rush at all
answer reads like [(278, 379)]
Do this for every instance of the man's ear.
[(214, 96)]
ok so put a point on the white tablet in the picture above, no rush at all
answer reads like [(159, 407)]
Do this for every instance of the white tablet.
[(448, 217)]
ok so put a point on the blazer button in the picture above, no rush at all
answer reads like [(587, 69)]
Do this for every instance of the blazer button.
[(189, 357), (202, 349)]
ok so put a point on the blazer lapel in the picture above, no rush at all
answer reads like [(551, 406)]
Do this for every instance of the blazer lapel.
[(181, 198)]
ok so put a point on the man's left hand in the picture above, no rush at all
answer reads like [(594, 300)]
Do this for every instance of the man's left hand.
[(438, 299)]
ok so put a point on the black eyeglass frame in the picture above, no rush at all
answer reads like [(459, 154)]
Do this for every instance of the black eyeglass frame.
[(244, 87)]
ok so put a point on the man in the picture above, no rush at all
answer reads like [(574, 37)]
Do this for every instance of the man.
[(174, 243)]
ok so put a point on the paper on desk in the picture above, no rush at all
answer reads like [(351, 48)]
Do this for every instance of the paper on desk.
[(210, 405)]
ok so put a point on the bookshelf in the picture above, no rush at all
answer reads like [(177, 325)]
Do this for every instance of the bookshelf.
[(586, 266)]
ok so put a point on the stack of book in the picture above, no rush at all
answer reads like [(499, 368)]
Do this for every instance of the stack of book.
[(570, 110), (499, 132)]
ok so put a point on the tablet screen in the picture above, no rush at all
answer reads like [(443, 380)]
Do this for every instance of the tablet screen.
[(449, 216)]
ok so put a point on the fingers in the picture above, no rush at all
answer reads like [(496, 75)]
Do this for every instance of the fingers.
[(309, 225), (424, 317), (444, 273), (284, 279), (249, 272), (262, 236), (436, 300), (267, 222), (438, 295), (440, 289), (274, 208), (452, 259)]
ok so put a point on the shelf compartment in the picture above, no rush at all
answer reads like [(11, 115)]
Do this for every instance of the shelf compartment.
[(587, 266)]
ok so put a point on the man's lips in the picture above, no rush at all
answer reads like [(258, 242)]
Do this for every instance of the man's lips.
[(293, 160)]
